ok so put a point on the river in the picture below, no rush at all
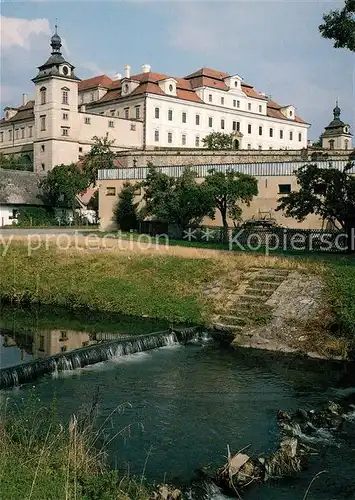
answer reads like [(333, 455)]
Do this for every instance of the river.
[(181, 405)]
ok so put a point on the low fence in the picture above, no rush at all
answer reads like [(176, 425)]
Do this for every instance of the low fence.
[(254, 238)]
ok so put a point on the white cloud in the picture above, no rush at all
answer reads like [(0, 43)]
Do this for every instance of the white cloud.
[(16, 32)]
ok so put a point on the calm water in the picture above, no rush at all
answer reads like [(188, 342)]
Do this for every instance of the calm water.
[(188, 403)]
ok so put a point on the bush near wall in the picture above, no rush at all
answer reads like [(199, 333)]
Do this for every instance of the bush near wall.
[(35, 216)]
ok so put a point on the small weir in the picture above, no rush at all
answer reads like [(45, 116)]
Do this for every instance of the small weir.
[(103, 351)]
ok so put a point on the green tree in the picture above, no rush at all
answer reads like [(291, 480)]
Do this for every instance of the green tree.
[(62, 184), (229, 190), (94, 204), (100, 156), (326, 192), (218, 140), (181, 201), (339, 26), (125, 213), (16, 162)]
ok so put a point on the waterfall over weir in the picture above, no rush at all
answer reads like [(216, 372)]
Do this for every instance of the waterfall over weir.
[(103, 351)]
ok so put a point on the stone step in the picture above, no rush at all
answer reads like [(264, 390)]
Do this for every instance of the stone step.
[(227, 328), (258, 292), (232, 320), (272, 285), (249, 299)]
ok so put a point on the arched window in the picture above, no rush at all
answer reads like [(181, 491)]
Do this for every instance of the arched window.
[(346, 144), (65, 95), (331, 144), (43, 93)]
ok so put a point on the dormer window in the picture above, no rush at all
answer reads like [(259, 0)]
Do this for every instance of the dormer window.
[(236, 83), (171, 88), (65, 70), (291, 114), (43, 94)]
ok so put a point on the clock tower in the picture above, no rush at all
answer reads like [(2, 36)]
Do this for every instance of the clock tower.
[(56, 111)]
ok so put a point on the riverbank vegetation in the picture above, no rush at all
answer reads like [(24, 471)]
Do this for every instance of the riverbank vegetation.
[(42, 457), (167, 283)]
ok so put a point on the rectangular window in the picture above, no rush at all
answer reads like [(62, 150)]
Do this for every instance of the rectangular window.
[(249, 146), (65, 131), (133, 126), (281, 134), (183, 139), (112, 112), (238, 104), (234, 126), (170, 137), (156, 113), (42, 148), (16, 133), (156, 134), (234, 103), (126, 113), (197, 141), (249, 106), (65, 116), (271, 132), (183, 117), (300, 137), (65, 97), (30, 131), (110, 191), (222, 101), (138, 112), (10, 135), (238, 126), (209, 97), (87, 120), (80, 150), (260, 109), (260, 130), (284, 188), (43, 123), (43, 96), (260, 148), (222, 124), (291, 136), (92, 96), (210, 121), (249, 129), (197, 119), (43, 166), (170, 115), (22, 133), (1, 136), (111, 124)]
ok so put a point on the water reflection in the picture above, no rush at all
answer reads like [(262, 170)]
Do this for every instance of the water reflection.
[(33, 334)]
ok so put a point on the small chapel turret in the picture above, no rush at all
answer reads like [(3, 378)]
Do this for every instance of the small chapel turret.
[(337, 134)]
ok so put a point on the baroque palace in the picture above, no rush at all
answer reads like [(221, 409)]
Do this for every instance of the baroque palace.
[(144, 111)]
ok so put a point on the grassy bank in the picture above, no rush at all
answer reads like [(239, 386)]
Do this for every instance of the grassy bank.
[(340, 286), (44, 458), (164, 283)]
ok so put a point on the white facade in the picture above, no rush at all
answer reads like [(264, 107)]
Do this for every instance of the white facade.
[(147, 110)]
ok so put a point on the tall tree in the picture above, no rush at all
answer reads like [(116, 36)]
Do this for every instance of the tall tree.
[(125, 213), (326, 192), (339, 26), (62, 184), (181, 201), (99, 156), (228, 191), (218, 140)]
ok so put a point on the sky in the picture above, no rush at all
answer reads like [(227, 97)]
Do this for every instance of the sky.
[(274, 45)]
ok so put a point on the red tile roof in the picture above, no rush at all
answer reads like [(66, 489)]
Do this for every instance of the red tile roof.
[(204, 77), (90, 83)]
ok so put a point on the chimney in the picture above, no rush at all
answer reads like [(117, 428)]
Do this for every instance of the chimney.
[(24, 99), (127, 71), (117, 77), (146, 68)]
